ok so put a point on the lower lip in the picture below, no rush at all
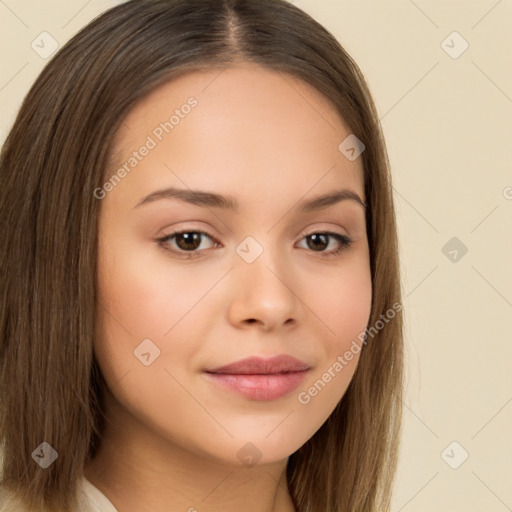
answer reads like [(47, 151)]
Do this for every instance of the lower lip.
[(260, 387)]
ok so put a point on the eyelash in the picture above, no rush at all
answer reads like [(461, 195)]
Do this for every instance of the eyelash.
[(344, 243)]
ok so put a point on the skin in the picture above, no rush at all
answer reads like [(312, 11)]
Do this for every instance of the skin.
[(172, 437)]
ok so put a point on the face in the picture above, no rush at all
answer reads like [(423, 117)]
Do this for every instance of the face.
[(264, 272)]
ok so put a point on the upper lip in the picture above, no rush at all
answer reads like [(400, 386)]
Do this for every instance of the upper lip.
[(258, 365)]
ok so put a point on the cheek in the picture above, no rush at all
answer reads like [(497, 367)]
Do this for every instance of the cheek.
[(343, 307), (342, 301), (350, 309), (139, 299), (143, 294)]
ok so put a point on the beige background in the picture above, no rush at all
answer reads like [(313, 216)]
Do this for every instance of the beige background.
[(448, 126)]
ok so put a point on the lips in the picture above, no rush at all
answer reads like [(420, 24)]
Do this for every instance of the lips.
[(259, 366), (260, 379)]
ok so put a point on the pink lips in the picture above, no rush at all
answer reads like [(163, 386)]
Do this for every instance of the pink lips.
[(261, 379)]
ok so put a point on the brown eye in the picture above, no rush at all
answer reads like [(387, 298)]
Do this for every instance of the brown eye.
[(319, 241), (185, 241), (189, 241)]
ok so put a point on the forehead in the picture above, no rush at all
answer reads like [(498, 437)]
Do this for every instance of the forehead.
[(244, 88), (250, 129)]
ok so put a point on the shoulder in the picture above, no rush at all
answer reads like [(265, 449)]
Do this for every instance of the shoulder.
[(9, 502), (91, 499)]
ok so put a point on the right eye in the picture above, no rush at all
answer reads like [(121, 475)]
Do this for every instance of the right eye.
[(186, 241)]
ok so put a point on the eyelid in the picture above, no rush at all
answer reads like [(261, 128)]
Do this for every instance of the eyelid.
[(185, 227), (312, 230), (177, 229)]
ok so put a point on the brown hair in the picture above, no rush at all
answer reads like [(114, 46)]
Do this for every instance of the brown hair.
[(56, 155)]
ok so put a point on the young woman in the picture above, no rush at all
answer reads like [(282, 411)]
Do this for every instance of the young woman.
[(201, 301)]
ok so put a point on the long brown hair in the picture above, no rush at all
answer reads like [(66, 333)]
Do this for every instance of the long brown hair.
[(56, 155)]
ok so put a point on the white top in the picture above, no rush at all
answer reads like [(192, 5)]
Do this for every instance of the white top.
[(91, 499), (95, 500)]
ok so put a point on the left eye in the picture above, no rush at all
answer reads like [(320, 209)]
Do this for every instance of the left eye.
[(321, 239), (190, 241)]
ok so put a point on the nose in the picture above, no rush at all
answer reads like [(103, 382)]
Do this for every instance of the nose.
[(262, 295)]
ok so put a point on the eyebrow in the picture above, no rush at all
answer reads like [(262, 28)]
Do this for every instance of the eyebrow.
[(210, 199)]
